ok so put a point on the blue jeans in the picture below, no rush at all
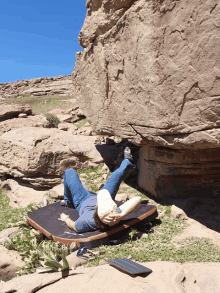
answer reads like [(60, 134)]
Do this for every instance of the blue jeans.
[(75, 192)]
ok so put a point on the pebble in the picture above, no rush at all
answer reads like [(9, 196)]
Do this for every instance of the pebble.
[(22, 115), (83, 175), (92, 174), (100, 185), (130, 196), (105, 168), (122, 197), (104, 176)]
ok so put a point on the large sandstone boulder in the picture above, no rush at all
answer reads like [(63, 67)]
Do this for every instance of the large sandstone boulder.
[(41, 155), (8, 111), (179, 173), (166, 277), (30, 121), (153, 70), (6, 234), (71, 115), (10, 261), (21, 195)]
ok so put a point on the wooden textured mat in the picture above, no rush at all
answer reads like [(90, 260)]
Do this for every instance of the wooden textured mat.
[(46, 220)]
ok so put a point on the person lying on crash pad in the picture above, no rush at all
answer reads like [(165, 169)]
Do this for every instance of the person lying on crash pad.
[(97, 211)]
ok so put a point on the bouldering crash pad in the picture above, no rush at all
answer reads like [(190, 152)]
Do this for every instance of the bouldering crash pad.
[(46, 220)]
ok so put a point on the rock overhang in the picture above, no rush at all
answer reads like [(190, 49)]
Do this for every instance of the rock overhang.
[(152, 75)]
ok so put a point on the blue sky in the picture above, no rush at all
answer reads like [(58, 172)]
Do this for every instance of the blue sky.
[(39, 38)]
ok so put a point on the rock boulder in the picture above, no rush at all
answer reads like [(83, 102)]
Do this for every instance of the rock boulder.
[(153, 70), (21, 195), (41, 155), (9, 263), (30, 121), (181, 173), (8, 111), (6, 234), (173, 277)]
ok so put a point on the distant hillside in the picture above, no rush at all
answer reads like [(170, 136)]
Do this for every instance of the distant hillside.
[(45, 86)]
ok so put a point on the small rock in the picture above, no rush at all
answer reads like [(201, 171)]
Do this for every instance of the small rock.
[(72, 126), (75, 261), (83, 175), (79, 112), (122, 197), (118, 139), (35, 232), (85, 131), (92, 164), (124, 185), (104, 176), (130, 196), (97, 180), (92, 174), (73, 246), (177, 212), (73, 112), (52, 193), (22, 115), (99, 186), (87, 186), (144, 235), (57, 191), (63, 126), (46, 200), (105, 168), (83, 180), (161, 215), (87, 124)]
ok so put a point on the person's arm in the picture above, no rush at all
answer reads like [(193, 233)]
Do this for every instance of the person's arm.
[(70, 223), (128, 207)]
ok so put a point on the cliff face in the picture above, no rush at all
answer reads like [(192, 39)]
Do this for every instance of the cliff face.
[(60, 85), (150, 71)]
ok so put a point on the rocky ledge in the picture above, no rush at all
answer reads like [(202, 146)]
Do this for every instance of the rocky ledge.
[(166, 277), (45, 86)]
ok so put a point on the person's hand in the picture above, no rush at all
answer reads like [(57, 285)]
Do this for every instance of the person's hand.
[(112, 219), (63, 217)]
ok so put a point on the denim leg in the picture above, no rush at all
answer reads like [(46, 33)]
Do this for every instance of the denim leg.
[(114, 181), (74, 191)]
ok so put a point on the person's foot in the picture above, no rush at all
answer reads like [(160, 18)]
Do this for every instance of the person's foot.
[(127, 154)]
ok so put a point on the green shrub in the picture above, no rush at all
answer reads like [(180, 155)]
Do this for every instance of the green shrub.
[(53, 119), (36, 251)]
